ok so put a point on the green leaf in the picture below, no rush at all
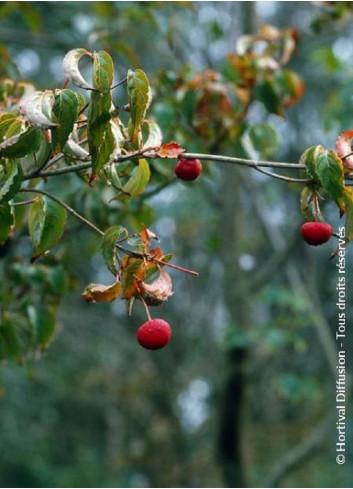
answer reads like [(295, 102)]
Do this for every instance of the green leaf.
[(43, 152), (21, 144), (103, 71), (155, 137), (260, 140), (6, 222), (329, 169), (101, 144), (138, 181), (139, 93), (46, 222), (65, 112), (266, 93), (101, 141), (9, 342), (11, 178), (307, 205), (42, 321), (348, 199), (111, 236), (309, 157), (5, 122), (154, 268)]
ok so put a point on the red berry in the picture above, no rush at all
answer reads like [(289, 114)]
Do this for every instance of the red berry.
[(154, 334), (188, 169), (316, 233)]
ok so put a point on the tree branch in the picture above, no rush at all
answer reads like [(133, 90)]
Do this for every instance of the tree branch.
[(144, 256), (69, 209)]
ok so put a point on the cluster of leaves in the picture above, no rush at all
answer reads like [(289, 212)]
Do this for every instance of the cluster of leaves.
[(45, 133), (30, 298), (328, 170), (215, 104), (59, 128), (331, 12), (132, 270)]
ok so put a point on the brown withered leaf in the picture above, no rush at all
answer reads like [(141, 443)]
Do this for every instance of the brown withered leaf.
[(170, 150), (102, 293), (343, 148), (158, 291), (156, 253), (146, 236)]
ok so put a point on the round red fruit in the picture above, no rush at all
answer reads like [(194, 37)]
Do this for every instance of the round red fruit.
[(154, 334), (316, 233), (188, 169)]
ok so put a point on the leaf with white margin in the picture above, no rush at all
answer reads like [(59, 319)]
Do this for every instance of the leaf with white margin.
[(72, 148), (118, 138), (47, 103), (31, 107), (71, 70), (140, 98), (155, 136)]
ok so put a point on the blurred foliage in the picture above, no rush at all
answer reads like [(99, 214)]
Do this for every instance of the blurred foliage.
[(96, 410)]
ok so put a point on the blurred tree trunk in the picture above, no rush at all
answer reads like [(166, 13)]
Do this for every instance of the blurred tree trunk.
[(235, 297)]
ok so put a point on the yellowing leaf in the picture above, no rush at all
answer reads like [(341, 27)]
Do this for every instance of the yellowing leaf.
[(103, 71), (138, 181), (102, 293)]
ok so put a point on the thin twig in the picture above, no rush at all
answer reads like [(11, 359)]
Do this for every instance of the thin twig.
[(222, 159), (69, 209), (119, 83), (84, 166), (282, 177), (244, 161), (181, 269), (78, 216)]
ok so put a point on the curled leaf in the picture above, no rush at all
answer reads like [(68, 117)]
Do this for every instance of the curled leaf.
[(36, 109), (154, 137), (102, 293), (74, 150), (343, 148), (71, 70), (111, 236), (158, 291)]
